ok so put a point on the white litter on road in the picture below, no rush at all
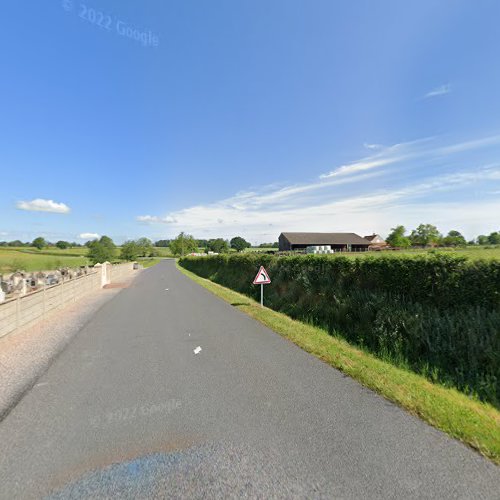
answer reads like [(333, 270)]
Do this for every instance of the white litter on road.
[(197, 350), (166, 289)]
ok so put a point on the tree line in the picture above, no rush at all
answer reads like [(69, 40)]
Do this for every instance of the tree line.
[(186, 243), (428, 235), (40, 243)]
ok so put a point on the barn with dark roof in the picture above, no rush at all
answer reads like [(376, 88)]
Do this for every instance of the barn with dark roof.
[(347, 242)]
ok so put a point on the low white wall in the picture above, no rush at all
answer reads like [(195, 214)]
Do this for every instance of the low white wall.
[(24, 310)]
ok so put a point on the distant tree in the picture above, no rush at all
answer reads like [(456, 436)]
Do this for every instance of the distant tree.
[(146, 248), (183, 244), (494, 238), (218, 245), (63, 244), (454, 239), (108, 243), (130, 250), (397, 237), (162, 243), (425, 235), (100, 251), (239, 243), (16, 243), (202, 243), (482, 239), (39, 243)]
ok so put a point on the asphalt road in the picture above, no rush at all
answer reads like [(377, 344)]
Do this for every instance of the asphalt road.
[(128, 410)]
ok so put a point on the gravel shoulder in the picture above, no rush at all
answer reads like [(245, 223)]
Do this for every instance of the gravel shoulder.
[(27, 353)]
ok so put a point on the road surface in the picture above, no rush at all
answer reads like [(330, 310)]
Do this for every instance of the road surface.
[(128, 410)]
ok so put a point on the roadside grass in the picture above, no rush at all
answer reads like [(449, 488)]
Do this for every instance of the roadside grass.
[(149, 262), (472, 422)]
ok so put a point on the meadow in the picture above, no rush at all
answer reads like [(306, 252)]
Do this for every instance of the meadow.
[(471, 252), (31, 259)]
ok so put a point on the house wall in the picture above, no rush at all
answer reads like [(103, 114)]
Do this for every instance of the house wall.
[(284, 244)]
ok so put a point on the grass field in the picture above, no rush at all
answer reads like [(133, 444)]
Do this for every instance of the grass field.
[(30, 259), (469, 420), (471, 252)]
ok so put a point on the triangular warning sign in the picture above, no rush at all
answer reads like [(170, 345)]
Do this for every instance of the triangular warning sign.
[(262, 277)]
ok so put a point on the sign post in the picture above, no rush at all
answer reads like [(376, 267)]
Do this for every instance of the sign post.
[(262, 279)]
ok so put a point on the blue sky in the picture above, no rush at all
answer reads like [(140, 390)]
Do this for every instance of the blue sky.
[(248, 117)]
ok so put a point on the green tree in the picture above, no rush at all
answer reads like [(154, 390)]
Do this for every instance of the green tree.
[(63, 244), (425, 235), (108, 243), (146, 248), (183, 244), (39, 243), (239, 243), (162, 243), (130, 250), (15, 243), (494, 238), (397, 237), (218, 245), (100, 251), (482, 239), (454, 239)]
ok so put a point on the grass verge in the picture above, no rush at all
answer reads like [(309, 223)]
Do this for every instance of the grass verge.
[(470, 421), (149, 262)]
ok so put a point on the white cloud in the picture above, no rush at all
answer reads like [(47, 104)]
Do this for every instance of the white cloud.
[(412, 176), (373, 146), (361, 165), (154, 219), (88, 236), (442, 90), (41, 205)]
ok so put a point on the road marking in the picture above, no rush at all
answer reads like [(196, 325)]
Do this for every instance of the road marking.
[(197, 350)]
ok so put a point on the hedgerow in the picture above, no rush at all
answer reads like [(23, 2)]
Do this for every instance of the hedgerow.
[(438, 315)]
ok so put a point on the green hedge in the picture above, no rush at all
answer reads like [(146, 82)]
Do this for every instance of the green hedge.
[(438, 315)]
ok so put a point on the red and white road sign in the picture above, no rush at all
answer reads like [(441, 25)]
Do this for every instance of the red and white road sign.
[(262, 277)]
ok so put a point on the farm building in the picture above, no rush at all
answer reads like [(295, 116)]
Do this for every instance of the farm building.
[(376, 241), (346, 242)]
